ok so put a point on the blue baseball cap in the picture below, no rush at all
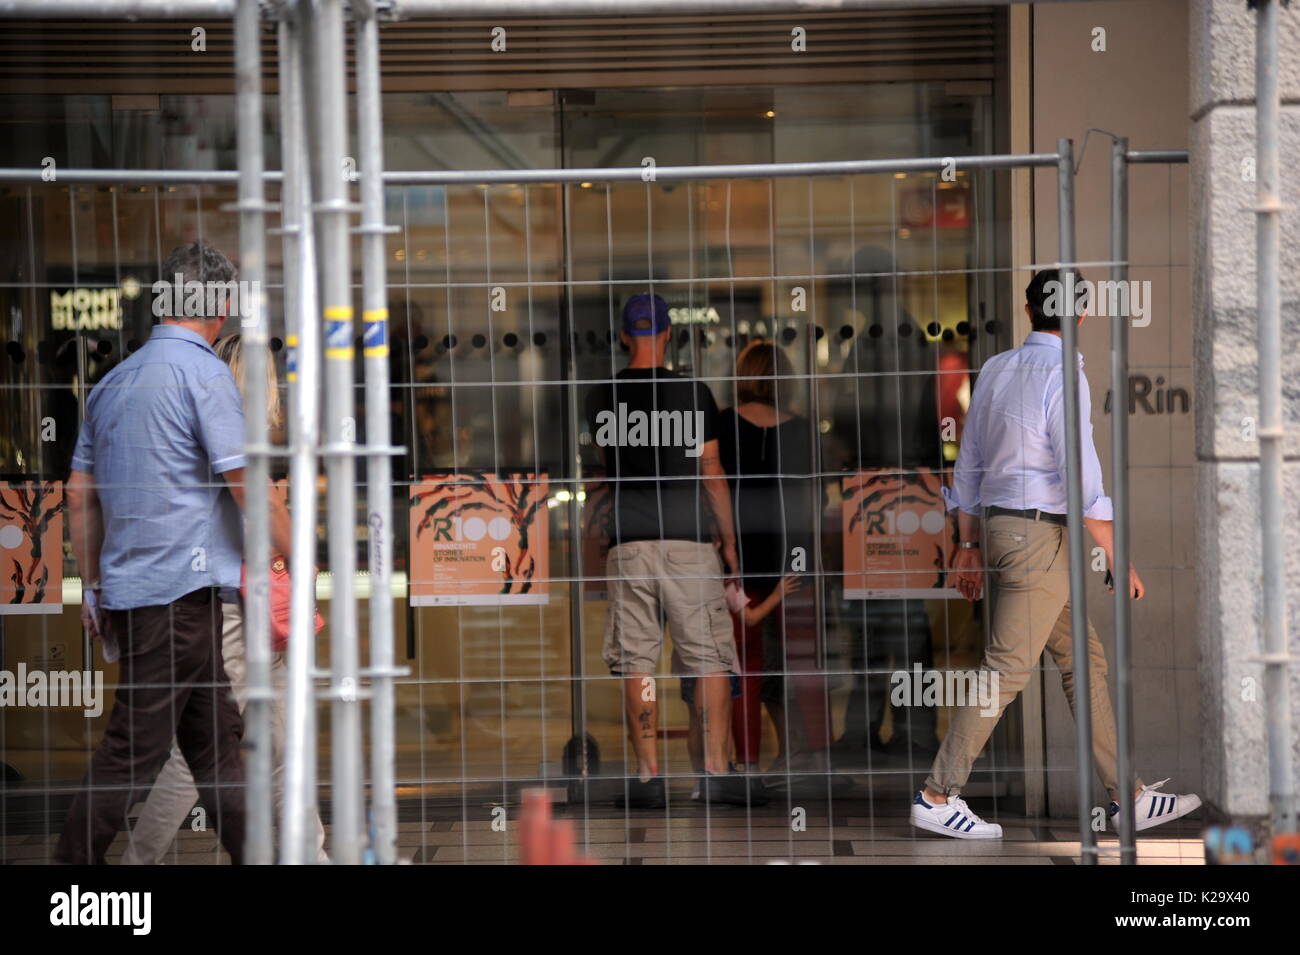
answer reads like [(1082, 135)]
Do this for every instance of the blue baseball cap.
[(646, 314)]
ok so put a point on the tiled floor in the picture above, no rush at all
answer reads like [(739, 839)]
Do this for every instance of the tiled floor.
[(691, 835)]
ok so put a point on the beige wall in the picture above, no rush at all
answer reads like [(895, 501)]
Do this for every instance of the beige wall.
[(1137, 88)]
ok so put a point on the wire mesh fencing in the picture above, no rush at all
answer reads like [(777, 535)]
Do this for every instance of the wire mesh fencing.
[(874, 296)]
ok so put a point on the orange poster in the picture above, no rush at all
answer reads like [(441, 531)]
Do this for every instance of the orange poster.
[(479, 539), (31, 546), (898, 538)]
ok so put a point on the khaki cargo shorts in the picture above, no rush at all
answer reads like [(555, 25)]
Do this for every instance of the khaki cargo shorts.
[(680, 581)]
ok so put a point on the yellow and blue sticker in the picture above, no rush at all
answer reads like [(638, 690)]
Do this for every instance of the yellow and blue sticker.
[(375, 340), (338, 332)]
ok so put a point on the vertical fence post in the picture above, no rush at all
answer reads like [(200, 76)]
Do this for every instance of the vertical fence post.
[(1074, 482), (379, 475), (573, 428), (302, 339), (814, 498), (1268, 226), (253, 337), (328, 79), (1120, 497)]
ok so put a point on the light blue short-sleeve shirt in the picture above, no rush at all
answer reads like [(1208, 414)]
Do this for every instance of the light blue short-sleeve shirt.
[(160, 430)]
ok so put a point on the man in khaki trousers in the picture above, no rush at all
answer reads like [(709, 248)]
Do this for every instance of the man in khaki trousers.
[(1012, 470)]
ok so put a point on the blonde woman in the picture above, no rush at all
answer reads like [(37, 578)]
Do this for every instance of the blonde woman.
[(173, 795)]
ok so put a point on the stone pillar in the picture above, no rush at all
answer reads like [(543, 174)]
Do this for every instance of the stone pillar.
[(1225, 357)]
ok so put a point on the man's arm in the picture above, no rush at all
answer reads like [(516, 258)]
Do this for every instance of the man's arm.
[(968, 471), (86, 524), (1096, 504), (220, 426), (967, 571), (1103, 532), (1098, 512), (715, 485), (968, 563), (281, 526)]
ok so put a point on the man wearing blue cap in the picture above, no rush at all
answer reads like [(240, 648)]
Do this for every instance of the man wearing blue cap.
[(657, 433)]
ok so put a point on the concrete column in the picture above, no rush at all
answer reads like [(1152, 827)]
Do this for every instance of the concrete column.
[(1226, 361)]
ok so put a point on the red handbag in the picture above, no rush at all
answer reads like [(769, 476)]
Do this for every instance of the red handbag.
[(280, 601)]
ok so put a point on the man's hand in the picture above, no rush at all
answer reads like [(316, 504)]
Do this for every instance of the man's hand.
[(90, 613), (1103, 532), (88, 621), (1134, 581), (1135, 585), (967, 572)]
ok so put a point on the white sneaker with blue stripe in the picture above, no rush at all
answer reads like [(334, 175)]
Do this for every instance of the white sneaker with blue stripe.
[(1156, 808), (953, 818)]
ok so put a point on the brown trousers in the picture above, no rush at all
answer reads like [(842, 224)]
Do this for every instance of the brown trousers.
[(1029, 580), (172, 683)]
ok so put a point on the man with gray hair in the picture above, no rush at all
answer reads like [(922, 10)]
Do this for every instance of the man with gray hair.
[(154, 505)]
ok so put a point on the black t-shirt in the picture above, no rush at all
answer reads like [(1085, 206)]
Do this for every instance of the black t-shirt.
[(771, 494), (651, 425)]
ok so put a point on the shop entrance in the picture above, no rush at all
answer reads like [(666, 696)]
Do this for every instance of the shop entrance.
[(883, 291)]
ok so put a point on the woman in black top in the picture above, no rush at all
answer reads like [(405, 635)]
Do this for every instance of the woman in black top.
[(769, 453)]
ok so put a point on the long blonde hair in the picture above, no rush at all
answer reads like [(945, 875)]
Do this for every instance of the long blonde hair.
[(231, 351)]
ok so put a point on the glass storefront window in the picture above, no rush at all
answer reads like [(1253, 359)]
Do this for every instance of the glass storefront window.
[(880, 290)]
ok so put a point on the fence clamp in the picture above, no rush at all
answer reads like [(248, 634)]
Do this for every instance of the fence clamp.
[(385, 673), (353, 694), (376, 229), (250, 205), (336, 205), (360, 450), (1282, 658)]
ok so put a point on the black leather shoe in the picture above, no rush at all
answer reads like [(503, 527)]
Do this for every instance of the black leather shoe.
[(734, 790), (639, 795)]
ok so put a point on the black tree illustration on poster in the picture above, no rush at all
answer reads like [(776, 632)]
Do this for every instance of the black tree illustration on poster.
[(871, 498), (31, 506), (886, 490), (517, 497)]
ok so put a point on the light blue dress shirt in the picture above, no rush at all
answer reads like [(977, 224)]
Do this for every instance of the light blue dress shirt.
[(1013, 445), (160, 429)]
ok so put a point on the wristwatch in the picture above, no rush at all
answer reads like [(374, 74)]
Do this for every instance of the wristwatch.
[(969, 545)]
